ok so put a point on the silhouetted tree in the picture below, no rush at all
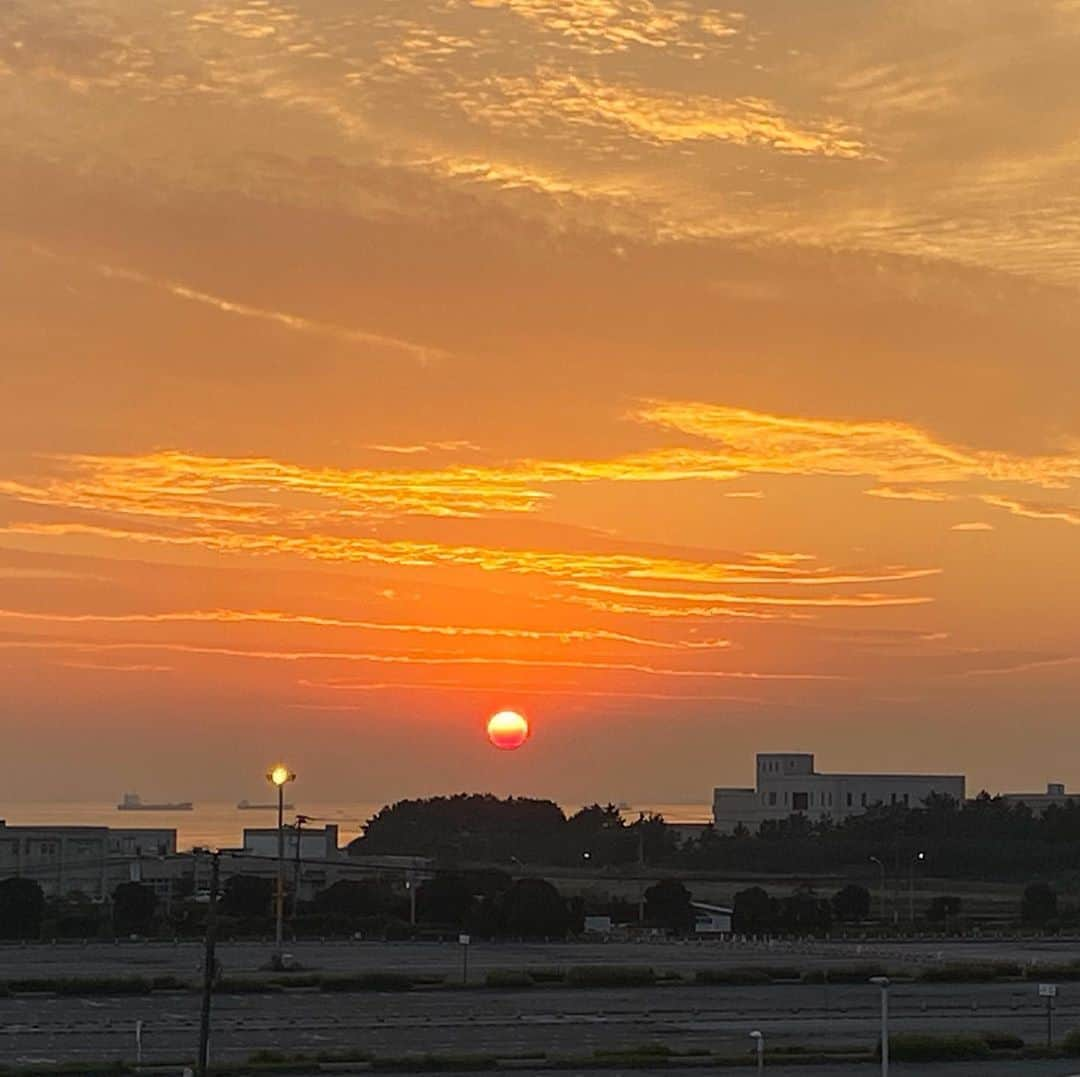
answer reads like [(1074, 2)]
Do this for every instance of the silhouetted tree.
[(753, 912), (466, 827), (667, 904), (22, 905), (533, 908), (354, 898), (851, 903), (446, 898), (133, 908), (804, 913), (247, 897)]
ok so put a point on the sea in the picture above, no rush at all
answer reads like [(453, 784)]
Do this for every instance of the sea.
[(218, 825)]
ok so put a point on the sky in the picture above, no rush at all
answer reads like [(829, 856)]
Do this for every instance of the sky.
[(698, 380)]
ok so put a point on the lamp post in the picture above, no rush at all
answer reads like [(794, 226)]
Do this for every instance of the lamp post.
[(881, 864), (278, 775), (299, 872), (883, 983), (759, 1041), (918, 858)]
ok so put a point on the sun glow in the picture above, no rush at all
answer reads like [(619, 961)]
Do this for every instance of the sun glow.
[(507, 730)]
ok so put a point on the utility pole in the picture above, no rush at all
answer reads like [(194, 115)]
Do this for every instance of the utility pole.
[(202, 1063), (300, 821), (883, 983)]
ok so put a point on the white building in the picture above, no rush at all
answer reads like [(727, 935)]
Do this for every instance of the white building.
[(788, 784), (711, 919), (1039, 802), (91, 860)]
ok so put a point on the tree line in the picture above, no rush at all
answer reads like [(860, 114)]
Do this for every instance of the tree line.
[(485, 828), (486, 903), (985, 838)]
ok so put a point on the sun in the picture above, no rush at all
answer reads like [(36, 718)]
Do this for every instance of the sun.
[(507, 730)]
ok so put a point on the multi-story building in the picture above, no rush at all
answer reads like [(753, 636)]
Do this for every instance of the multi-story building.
[(1038, 802), (788, 784), (92, 860), (311, 855)]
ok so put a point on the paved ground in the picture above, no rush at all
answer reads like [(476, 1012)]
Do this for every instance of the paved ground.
[(554, 1020), (922, 1069), (184, 959)]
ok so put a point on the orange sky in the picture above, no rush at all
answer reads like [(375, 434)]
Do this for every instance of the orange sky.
[(698, 380)]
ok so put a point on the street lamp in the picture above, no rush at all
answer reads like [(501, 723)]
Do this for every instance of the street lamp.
[(881, 864), (918, 858), (759, 1041), (883, 983), (279, 775)]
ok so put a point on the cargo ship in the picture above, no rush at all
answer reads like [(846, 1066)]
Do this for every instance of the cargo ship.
[(133, 802), (249, 805)]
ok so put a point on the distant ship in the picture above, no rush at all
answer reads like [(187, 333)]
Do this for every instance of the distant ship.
[(133, 802), (248, 805)]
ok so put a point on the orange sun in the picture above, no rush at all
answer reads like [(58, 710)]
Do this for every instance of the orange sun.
[(507, 730)]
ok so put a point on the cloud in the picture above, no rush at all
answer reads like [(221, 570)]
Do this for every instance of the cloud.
[(890, 451), (103, 667), (1034, 510), (600, 27), (293, 322), (426, 447), (418, 659), (909, 493), (975, 525), (654, 117), (481, 689), (277, 617), (1006, 667)]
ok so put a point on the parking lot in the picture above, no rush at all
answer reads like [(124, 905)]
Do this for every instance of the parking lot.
[(556, 1020)]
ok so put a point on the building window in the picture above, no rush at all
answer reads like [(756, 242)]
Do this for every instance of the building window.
[(787, 798), (772, 799), (850, 798), (864, 800), (905, 800), (800, 801), (892, 798)]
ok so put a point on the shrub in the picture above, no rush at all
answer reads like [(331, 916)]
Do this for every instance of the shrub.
[(610, 976), (368, 981), (509, 978), (1053, 972), (84, 986), (642, 1050), (919, 1047), (228, 986), (547, 975), (842, 974), (745, 976), (1071, 1043), (970, 972), (169, 983), (1003, 1041)]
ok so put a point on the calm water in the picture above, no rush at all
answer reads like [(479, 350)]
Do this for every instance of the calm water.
[(219, 825)]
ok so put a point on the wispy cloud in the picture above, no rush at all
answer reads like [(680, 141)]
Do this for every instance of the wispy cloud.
[(887, 450), (278, 617), (599, 27), (419, 659), (293, 322), (910, 493), (1034, 510), (590, 105)]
